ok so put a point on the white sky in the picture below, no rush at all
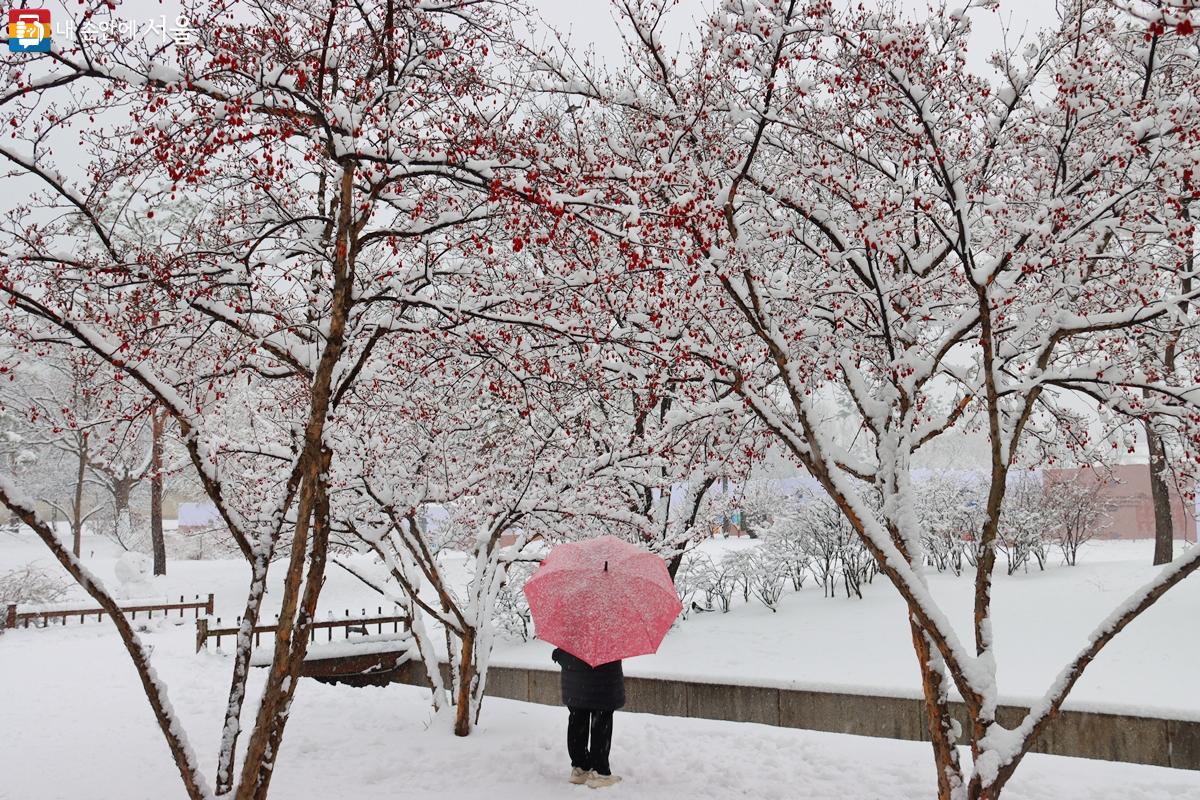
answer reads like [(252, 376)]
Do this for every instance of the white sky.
[(590, 22)]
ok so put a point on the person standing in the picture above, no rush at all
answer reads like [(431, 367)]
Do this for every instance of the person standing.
[(591, 695)]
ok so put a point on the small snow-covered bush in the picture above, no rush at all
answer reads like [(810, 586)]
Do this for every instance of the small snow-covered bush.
[(724, 577), (768, 575), (1078, 510), (950, 511), (715, 579), (31, 584), (834, 551), (202, 544), (739, 566), (857, 566), (1025, 525), (785, 541), (690, 581)]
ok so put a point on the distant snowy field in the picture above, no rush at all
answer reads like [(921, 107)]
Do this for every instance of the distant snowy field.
[(73, 723), (1041, 621)]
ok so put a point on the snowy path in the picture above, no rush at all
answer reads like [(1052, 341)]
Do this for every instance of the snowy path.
[(84, 732)]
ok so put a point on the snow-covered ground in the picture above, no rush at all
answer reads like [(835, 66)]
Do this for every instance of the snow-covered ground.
[(76, 727), (1041, 621), (83, 729)]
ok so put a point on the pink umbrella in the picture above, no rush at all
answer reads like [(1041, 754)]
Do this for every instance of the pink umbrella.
[(602, 600)]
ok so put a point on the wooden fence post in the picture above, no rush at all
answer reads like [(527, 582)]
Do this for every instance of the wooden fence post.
[(208, 609), (10, 617), (202, 632)]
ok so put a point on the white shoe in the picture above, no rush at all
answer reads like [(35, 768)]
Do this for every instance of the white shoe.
[(597, 781), (579, 776)]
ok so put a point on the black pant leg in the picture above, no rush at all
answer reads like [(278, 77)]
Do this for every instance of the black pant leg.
[(577, 737), (602, 723)]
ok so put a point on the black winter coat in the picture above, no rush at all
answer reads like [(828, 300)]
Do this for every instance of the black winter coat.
[(599, 688)]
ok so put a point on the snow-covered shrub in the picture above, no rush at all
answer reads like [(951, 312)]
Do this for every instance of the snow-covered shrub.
[(719, 582), (828, 538), (950, 510), (196, 544), (31, 584), (769, 573), (813, 536), (511, 614), (857, 566), (1025, 525), (739, 566), (785, 540), (690, 581)]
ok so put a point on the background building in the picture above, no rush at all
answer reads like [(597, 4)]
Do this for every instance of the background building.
[(1127, 487)]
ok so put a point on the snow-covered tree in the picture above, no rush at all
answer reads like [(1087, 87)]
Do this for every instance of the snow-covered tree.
[(496, 449), (832, 197), (256, 219), (1078, 509)]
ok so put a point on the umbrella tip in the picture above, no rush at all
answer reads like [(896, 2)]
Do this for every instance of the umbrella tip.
[(606, 566)]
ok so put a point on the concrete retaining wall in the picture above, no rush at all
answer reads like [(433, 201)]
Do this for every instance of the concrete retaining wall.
[(1112, 737)]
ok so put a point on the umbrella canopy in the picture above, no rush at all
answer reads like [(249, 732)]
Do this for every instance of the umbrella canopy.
[(602, 599)]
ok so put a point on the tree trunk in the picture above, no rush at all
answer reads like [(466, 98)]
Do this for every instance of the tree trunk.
[(466, 679), (77, 499), (1160, 494), (158, 543), (122, 488), (303, 588), (291, 639), (937, 713), (726, 522), (1160, 491)]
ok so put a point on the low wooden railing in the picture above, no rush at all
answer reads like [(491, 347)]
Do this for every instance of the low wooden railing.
[(44, 618), (211, 629)]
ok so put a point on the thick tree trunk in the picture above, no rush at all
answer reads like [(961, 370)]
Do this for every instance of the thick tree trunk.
[(286, 674), (726, 521), (937, 713), (1160, 495), (300, 594), (157, 541), (302, 588), (259, 567), (1160, 488), (466, 680)]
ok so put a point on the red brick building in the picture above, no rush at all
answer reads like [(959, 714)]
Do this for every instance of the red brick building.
[(1127, 486)]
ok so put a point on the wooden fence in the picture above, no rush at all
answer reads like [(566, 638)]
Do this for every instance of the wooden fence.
[(43, 619), (211, 629)]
